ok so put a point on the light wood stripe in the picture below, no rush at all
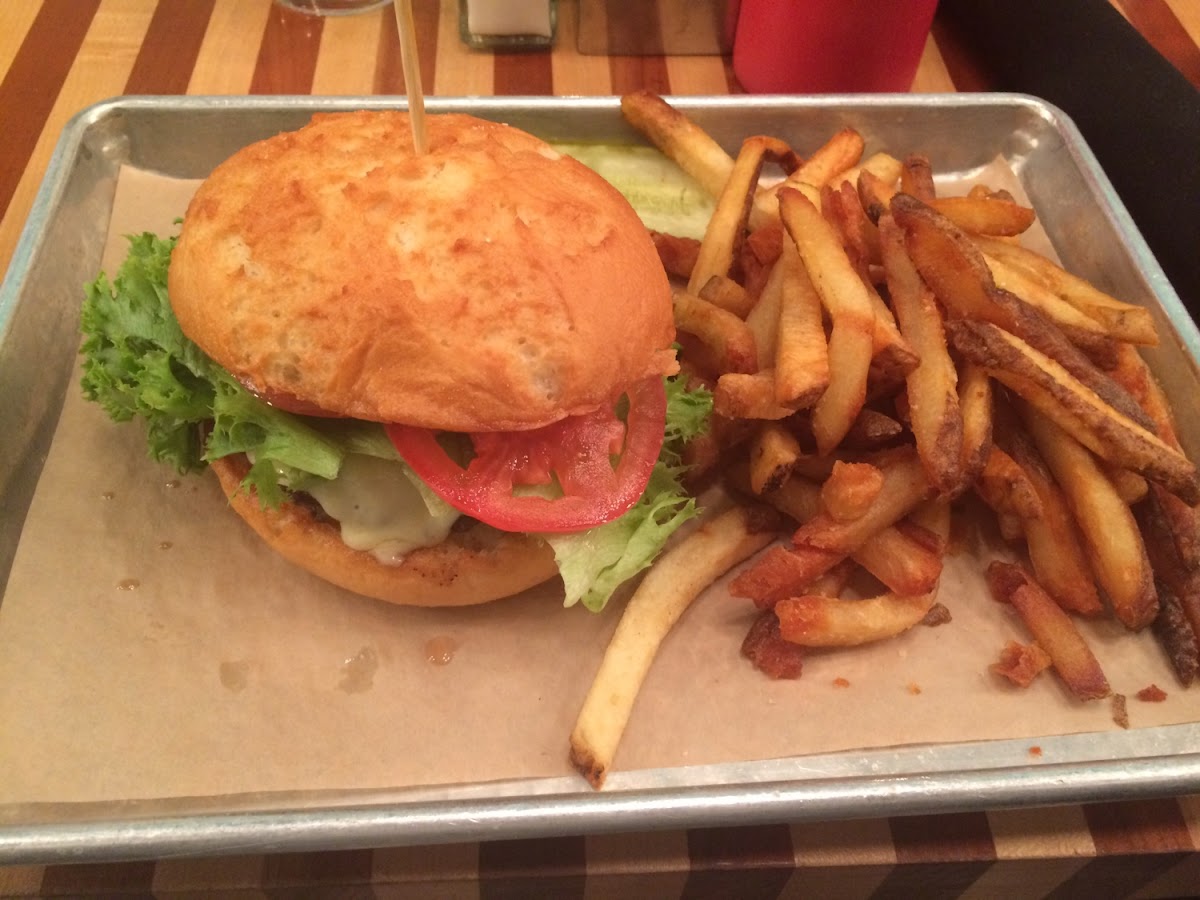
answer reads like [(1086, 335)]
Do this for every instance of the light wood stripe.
[(230, 48), (932, 75), (697, 75), (575, 74), (100, 70), (459, 73), (347, 59)]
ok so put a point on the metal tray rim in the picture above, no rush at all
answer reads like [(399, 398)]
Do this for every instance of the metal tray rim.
[(550, 806)]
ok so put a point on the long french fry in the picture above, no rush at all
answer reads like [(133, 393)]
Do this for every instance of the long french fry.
[(1115, 546), (801, 353), (851, 340), (668, 589), (814, 620), (836, 155), (1124, 321), (1053, 540), (937, 423), (1056, 393), (680, 138), (723, 236)]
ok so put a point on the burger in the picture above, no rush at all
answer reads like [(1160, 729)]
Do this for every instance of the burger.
[(433, 379)]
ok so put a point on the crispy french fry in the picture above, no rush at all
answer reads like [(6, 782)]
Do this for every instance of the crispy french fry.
[(875, 194), (901, 558), (728, 294), (1124, 321), (668, 589), (872, 430), (723, 236), (1021, 663), (1007, 488), (881, 167), (1052, 628), (1114, 545), (916, 178), (1130, 486), (851, 340), (1081, 328), (850, 490), (843, 210), (814, 620), (801, 353), (676, 135), (1060, 396), (1177, 637), (677, 254), (727, 336), (773, 452), (935, 418), (838, 154), (741, 396), (1052, 539), (989, 215), (975, 406), (763, 318)]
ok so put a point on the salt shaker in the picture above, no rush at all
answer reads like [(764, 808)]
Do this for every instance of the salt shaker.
[(507, 24)]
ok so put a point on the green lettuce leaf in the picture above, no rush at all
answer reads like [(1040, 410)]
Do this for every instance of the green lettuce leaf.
[(594, 563)]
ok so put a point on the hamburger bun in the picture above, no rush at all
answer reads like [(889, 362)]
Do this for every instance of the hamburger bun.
[(476, 564), (491, 284)]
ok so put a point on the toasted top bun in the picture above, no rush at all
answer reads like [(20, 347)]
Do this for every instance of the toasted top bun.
[(491, 284), (475, 564)]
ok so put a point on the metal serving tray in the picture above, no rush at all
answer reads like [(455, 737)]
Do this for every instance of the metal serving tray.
[(60, 249)]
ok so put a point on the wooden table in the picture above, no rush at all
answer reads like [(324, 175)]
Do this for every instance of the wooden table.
[(57, 56)]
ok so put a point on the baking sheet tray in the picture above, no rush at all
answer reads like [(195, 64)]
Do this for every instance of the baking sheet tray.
[(184, 138)]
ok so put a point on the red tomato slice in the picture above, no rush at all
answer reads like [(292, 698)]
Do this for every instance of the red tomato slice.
[(576, 451)]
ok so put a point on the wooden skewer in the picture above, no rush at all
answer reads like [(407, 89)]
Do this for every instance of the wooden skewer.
[(410, 62)]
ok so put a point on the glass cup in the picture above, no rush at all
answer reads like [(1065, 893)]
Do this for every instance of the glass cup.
[(332, 7), (830, 46)]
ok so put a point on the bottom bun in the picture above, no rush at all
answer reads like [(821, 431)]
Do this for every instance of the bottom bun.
[(475, 564)]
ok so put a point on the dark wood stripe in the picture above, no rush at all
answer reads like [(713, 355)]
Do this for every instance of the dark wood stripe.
[(634, 28), (287, 56), (964, 69), (633, 73), (1138, 826), (750, 862), (389, 70), (1136, 842), (515, 74), (731, 82), (127, 880), (34, 80), (516, 870), (937, 856), (1158, 24), (305, 874), (168, 53)]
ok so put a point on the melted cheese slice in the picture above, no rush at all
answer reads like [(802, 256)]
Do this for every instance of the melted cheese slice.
[(380, 509)]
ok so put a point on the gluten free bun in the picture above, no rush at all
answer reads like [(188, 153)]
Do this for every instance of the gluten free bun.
[(491, 284), (474, 565)]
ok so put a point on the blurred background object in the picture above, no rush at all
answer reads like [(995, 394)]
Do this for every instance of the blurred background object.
[(830, 46), (333, 7), (507, 24), (648, 28)]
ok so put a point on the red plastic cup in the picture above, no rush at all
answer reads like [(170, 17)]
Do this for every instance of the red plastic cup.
[(830, 46)]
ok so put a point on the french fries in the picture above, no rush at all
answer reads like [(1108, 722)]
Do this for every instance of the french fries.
[(937, 422), (1115, 547), (679, 138), (845, 298), (1052, 628), (877, 351), (676, 579)]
